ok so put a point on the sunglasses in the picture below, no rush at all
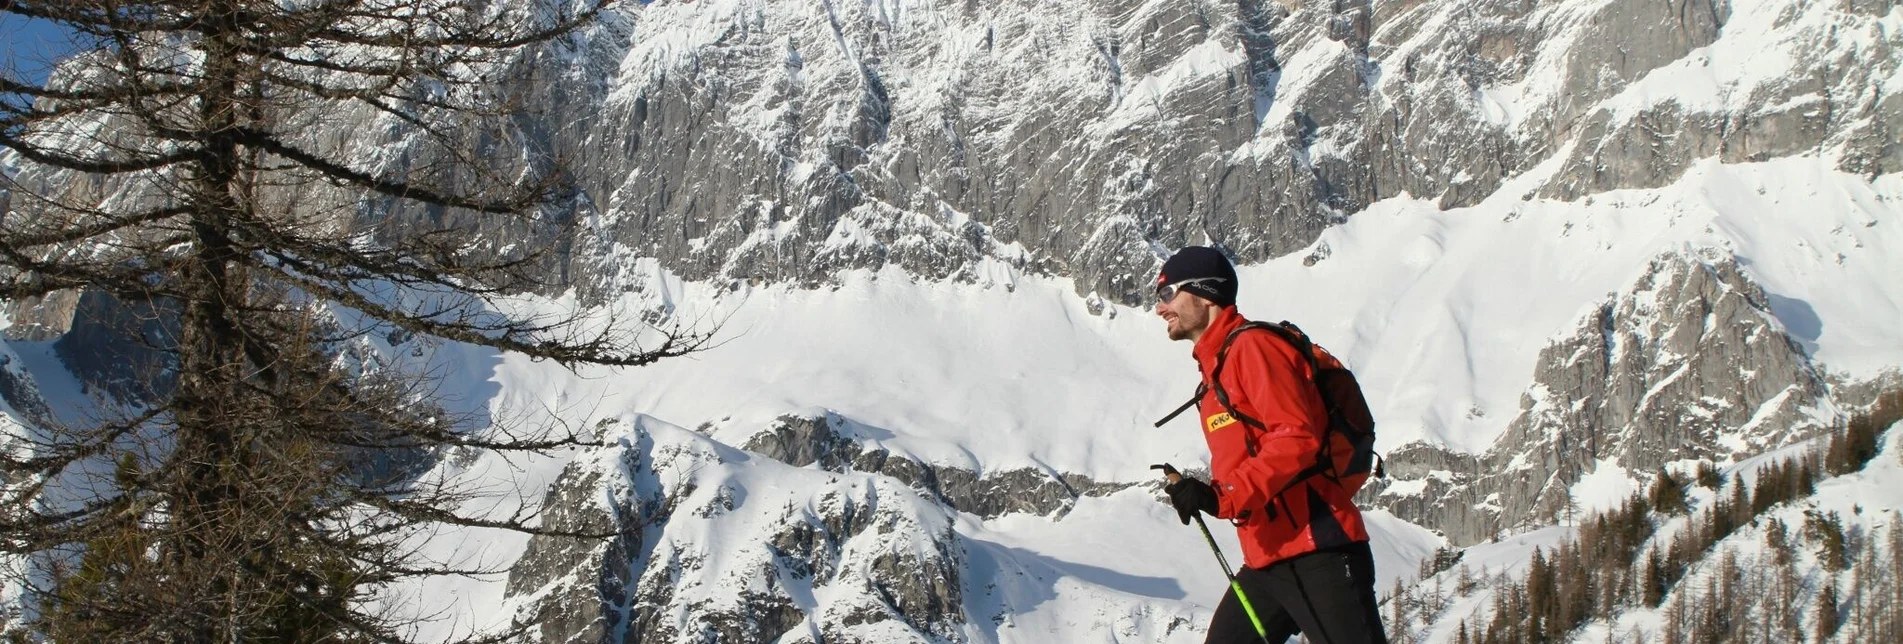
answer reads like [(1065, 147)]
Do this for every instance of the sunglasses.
[(1168, 292)]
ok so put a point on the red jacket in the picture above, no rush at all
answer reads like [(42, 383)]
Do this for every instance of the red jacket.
[(1269, 381)]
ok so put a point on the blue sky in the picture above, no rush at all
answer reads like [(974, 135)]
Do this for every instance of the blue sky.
[(26, 46)]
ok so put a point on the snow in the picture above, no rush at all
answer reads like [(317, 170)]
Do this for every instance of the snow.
[(1605, 488), (1762, 43), (1440, 313), (1443, 312), (1053, 575), (1405, 487), (65, 396), (1864, 500), (1144, 99), (981, 378), (1398, 546)]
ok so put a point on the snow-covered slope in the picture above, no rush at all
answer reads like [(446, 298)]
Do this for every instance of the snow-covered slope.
[(1764, 582), (1443, 312), (918, 228)]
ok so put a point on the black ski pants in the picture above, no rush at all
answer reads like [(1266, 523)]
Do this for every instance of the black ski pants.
[(1327, 594)]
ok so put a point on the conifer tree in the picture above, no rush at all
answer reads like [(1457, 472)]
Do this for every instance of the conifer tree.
[(1541, 597), (1464, 581), (1891, 601), (1575, 589), (1825, 613), (187, 161), (1436, 599), (1850, 449), (1676, 625), (1398, 617), (1727, 598), (1708, 475), (1786, 606), (1740, 508), (1708, 622), (1777, 542), (1807, 474), (1866, 589), (1827, 529), (1667, 494), (1612, 587), (1771, 487)]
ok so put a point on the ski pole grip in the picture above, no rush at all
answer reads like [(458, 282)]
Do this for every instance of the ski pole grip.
[(1169, 472)]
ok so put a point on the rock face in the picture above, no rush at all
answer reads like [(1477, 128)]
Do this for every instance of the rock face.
[(115, 347), (23, 404), (1688, 363), (717, 545), (802, 441), (713, 544), (786, 141)]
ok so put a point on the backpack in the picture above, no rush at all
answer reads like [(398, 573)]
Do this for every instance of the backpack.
[(1347, 451)]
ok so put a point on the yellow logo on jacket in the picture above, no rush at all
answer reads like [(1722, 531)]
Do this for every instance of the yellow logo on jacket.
[(1219, 421)]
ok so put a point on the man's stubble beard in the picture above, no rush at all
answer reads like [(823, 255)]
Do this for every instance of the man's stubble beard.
[(1177, 333), (1187, 329)]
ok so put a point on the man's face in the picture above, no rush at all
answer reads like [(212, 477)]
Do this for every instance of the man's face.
[(1187, 315)]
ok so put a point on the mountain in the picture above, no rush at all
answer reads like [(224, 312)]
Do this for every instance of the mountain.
[(785, 141), (1564, 246), (1814, 561)]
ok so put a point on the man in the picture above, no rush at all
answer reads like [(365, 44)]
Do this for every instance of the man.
[(1306, 563)]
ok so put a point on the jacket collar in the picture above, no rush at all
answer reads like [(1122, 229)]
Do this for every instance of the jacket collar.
[(1206, 347)]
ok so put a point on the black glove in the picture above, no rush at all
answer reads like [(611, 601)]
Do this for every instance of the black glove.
[(1190, 495)]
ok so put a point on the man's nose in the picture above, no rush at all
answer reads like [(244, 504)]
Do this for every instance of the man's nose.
[(1160, 306)]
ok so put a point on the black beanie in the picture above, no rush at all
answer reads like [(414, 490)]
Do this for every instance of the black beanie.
[(1193, 262)]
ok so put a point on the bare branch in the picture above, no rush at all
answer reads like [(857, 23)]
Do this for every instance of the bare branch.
[(399, 189), (38, 154), (110, 224), (188, 160)]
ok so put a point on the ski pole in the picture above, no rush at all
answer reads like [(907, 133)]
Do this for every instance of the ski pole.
[(1234, 586)]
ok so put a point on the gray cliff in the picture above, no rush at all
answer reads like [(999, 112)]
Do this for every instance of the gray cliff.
[(786, 141), (1687, 364)]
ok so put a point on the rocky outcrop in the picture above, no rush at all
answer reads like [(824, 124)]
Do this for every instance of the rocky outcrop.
[(43, 318), (699, 553), (789, 141), (1687, 364), (21, 394), (572, 610), (819, 441), (110, 345), (120, 347)]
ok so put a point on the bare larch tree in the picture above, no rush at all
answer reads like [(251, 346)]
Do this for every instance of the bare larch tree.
[(212, 163)]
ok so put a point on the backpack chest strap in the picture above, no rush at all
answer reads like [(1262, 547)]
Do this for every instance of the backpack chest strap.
[(1200, 389)]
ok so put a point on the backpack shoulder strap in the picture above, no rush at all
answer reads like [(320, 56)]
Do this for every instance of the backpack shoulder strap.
[(1293, 335), (1222, 354), (1193, 399), (1222, 396), (1287, 331), (1296, 338)]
